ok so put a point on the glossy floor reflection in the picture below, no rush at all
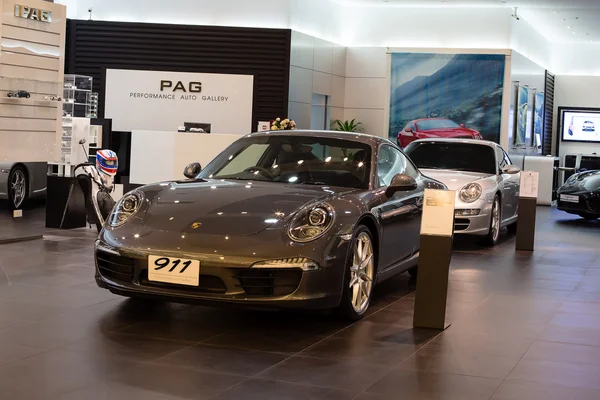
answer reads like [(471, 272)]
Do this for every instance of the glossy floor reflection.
[(524, 326)]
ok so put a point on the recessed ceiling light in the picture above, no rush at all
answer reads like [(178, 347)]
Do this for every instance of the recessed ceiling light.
[(573, 33), (555, 12), (568, 26), (563, 19)]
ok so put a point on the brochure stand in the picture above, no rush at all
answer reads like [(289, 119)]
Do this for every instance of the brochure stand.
[(437, 228), (527, 210)]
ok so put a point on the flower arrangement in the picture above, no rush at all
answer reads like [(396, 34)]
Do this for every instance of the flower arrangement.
[(282, 125)]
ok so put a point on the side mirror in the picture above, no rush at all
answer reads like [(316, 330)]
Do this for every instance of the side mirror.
[(511, 169), (407, 129), (192, 170), (401, 183)]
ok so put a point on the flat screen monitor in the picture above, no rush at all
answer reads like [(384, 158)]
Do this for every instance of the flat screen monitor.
[(580, 125)]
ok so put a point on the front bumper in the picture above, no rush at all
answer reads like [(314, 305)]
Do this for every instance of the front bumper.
[(473, 224), (589, 203), (224, 278)]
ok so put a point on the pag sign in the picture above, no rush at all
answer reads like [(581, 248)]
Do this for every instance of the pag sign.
[(165, 100), (33, 13)]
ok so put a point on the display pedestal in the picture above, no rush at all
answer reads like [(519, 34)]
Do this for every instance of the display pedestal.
[(432, 282), (526, 223), (65, 204)]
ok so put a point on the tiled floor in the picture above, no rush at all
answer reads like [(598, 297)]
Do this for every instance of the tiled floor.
[(30, 225), (524, 326)]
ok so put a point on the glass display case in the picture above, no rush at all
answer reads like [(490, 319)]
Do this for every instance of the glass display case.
[(75, 118)]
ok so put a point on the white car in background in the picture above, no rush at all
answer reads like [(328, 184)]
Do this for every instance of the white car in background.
[(485, 180)]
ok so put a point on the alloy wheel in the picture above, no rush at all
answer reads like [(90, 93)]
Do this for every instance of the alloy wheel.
[(361, 273), (496, 219), (18, 187)]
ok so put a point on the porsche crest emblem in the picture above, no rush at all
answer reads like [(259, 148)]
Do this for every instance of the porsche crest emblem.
[(196, 225)]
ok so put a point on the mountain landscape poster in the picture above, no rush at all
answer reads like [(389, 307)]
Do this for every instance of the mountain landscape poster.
[(465, 89)]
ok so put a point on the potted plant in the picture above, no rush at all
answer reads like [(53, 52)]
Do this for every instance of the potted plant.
[(347, 126)]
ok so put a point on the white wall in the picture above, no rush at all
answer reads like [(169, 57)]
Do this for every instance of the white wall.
[(425, 27), (575, 91), (257, 13), (318, 67), (367, 88), (530, 44), (576, 59)]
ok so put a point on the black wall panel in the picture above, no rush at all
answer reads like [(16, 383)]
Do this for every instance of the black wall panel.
[(94, 46), (549, 116)]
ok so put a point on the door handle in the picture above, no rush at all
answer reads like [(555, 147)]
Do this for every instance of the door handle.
[(399, 211)]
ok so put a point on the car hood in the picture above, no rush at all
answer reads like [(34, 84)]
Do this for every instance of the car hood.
[(588, 181), (227, 207), (449, 132), (454, 180)]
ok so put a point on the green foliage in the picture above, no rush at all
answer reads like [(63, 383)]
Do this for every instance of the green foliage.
[(347, 126)]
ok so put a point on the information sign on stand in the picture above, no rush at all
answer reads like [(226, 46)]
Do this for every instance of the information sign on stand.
[(528, 193), (437, 229)]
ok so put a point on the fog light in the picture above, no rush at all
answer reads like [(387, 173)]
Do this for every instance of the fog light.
[(305, 264), (469, 212)]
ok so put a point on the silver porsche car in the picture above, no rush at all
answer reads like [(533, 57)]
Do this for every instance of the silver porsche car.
[(20, 181), (484, 177)]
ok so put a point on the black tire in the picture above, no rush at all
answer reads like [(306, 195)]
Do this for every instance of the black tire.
[(19, 180), (491, 239), (588, 217), (346, 308), (512, 228)]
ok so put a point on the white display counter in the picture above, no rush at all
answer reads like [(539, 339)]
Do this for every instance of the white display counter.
[(160, 156)]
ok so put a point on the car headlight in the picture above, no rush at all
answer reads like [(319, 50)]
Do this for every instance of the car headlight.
[(470, 193), (312, 223), (125, 208)]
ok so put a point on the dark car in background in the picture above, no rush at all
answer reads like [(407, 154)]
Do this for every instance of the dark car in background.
[(580, 195), (428, 128), (292, 219)]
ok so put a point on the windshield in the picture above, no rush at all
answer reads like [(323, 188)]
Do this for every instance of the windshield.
[(454, 156), (428, 124), (294, 160)]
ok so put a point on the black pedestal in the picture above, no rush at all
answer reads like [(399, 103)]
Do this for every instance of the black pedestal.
[(432, 282), (526, 223), (65, 204)]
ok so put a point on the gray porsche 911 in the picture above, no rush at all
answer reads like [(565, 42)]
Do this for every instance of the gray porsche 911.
[(295, 219)]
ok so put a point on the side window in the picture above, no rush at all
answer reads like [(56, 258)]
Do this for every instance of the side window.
[(500, 158), (392, 161), (412, 126), (507, 160)]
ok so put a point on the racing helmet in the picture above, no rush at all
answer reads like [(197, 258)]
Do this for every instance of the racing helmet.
[(107, 162)]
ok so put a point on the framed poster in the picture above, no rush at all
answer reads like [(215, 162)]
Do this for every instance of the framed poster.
[(448, 95)]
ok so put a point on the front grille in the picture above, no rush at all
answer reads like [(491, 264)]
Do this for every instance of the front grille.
[(115, 267), (269, 282), (206, 284), (461, 224)]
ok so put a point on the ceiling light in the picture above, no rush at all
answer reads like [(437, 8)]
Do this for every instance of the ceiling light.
[(563, 19), (568, 26), (555, 12)]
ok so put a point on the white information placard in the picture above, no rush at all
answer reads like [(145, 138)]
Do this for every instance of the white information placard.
[(164, 100), (529, 184), (438, 212)]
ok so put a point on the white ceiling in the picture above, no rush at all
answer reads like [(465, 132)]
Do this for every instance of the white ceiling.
[(550, 17)]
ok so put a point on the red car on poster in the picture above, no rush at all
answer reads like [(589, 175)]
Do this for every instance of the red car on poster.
[(427, 128)]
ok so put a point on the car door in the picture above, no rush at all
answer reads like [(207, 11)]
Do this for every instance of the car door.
[(399, 215), (507, 185)]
